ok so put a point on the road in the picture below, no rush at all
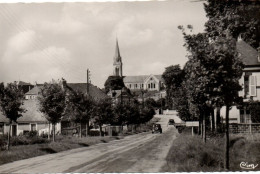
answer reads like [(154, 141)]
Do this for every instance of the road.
[(145, 152)]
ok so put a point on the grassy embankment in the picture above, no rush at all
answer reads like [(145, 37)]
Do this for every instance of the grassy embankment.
[(24, 147), (62, 143), (190, 154)]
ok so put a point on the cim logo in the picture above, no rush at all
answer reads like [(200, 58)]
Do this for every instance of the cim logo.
[(245, 165)]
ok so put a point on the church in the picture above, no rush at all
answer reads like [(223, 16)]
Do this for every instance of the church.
[(136, 83)]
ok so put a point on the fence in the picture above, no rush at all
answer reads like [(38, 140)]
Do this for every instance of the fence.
[(244, 128)]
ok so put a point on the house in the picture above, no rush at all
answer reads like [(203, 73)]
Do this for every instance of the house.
[(34, 92), (33, 119), (24, 86), (250, 82), (121, 96)]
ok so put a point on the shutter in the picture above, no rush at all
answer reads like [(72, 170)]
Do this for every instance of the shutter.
[(252, 85)]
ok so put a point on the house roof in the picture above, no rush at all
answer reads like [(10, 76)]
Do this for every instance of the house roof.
[(32, 113), (21, 83), (34, 91), (94, 91), (247, 53)]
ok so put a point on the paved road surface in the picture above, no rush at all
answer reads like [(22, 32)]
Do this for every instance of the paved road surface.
[(144, 152)]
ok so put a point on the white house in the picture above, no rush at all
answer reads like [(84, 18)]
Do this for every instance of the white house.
[(250, 82)]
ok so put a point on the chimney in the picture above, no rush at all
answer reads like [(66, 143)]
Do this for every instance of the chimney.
[(63, 83)]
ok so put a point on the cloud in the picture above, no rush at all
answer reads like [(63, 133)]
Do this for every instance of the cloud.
[(22, 41), (40, 65), (65, 26), (131, 31)]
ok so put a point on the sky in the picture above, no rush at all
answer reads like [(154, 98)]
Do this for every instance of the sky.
[(44, 41)]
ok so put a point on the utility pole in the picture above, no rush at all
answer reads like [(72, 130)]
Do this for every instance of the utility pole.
[(88, 74), (88, 79)]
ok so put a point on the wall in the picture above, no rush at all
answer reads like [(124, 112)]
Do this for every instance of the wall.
[(244, 128)]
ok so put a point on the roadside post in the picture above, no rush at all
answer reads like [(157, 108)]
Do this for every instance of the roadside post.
[(192, 124)]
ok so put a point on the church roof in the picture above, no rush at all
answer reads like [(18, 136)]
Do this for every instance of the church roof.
[(135, 79), (247, 53), (140, 79)]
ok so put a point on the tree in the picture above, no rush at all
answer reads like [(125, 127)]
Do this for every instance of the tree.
[(173, 77), (52, 103), (238, 17), (214, 70), (150, 102), (81, 107), (114, 83), (103, 112), (146, 114), (11, 100)]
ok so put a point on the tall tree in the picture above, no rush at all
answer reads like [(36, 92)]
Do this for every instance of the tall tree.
[(81, 107), (114, 83), (238, 17), (173, 77), (11, 100), (52, 103), (214, 73), (103, 112)]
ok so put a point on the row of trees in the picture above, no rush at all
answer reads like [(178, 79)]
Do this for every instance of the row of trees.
[(80, 107), (210, 78), (58, 101)]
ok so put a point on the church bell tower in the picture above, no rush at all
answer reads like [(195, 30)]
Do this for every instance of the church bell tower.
[(117, 65)]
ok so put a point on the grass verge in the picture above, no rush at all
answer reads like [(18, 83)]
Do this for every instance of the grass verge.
[(62, 143), (190, 154)]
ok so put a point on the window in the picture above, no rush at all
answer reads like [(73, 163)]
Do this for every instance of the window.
[(245, 116), (1, 128), (135, 85), (142, 85), (129, 85), (153, 85), (252, 85), (33, 127), (148, 85)]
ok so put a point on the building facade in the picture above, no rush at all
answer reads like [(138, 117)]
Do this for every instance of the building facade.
[(250, 82)]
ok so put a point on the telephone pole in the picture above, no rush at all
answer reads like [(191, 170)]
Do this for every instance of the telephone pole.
[(88, 80)]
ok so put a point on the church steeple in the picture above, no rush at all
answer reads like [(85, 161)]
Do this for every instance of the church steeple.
[(117, 57), (118, 65)]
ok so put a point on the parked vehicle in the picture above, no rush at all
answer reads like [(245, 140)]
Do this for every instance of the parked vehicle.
[(157, 128), (171, 122)]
